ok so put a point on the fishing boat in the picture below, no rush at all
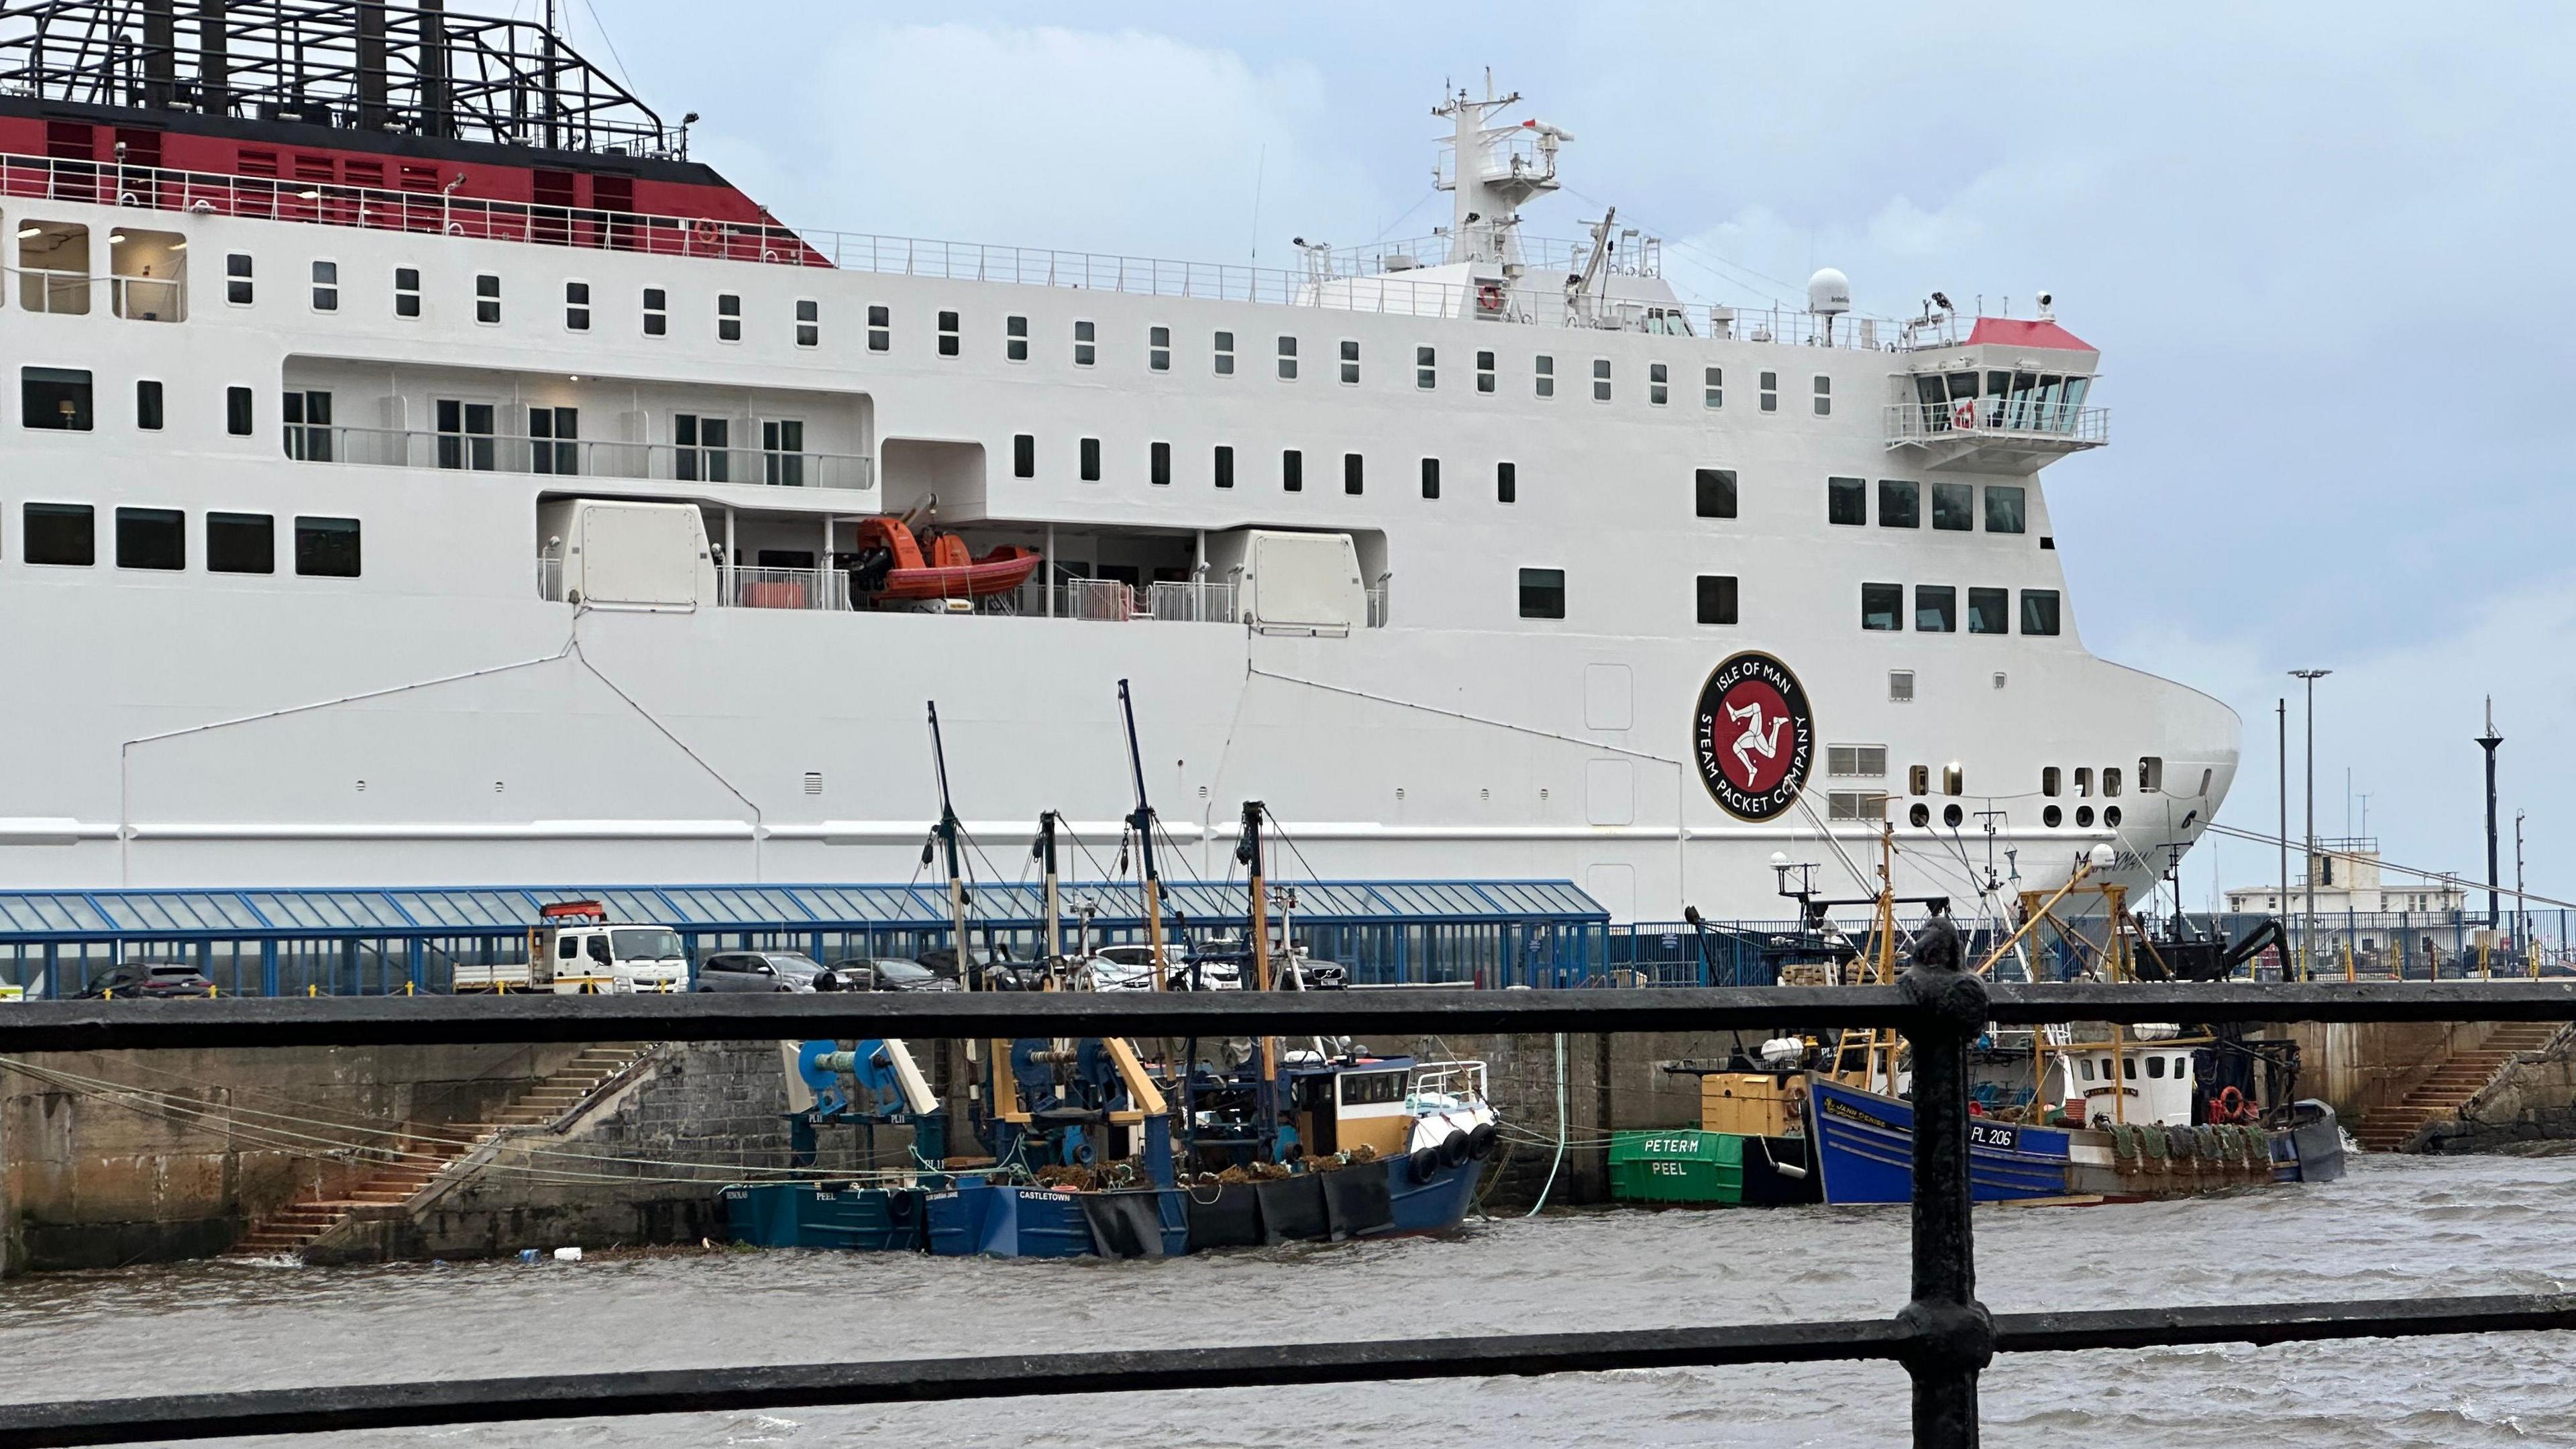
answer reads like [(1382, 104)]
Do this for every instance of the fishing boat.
[(2116, 1113)]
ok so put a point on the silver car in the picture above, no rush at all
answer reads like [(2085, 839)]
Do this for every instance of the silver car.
[(759, 971)]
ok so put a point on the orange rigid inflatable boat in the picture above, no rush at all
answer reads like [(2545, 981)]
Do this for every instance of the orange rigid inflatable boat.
[(949, 573)]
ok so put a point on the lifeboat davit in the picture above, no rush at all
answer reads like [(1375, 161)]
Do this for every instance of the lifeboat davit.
[(949, 572)]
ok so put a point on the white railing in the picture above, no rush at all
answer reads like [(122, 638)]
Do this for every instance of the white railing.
[(655, 462), (143, 299), (1200, 602), (1998, 418), (550, 577), (1377, 607), (763, 588)]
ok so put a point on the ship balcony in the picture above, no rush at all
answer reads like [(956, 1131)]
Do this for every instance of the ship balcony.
[(1995, 434), (578, 458)]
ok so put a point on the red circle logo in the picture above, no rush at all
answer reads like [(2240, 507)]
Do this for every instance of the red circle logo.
[(1754, 736)]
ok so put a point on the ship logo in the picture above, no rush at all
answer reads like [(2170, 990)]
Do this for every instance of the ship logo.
[(1754, 736)]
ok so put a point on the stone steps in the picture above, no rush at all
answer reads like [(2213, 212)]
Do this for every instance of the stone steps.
[(2449, 1086)]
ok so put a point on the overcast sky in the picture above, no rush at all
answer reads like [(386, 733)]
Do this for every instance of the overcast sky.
[(2323, 250)]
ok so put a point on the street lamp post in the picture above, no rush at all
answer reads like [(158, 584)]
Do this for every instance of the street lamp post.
[(2308, 923), (2488, 742)]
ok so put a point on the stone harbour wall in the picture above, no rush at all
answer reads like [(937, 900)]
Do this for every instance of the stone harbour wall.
[(2532, 1100)]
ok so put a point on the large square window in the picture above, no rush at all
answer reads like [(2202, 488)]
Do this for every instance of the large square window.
[(1847, 501), (1717, 598), (54, 397), (2039, 611), (1542, 593), (2003, 508), (1716, 492), (1936, 608), (1989, 611), (326, 547), (1954, 506), (60, 533), (1882, 607), (241, 543), (1900, 504), (151, 538)]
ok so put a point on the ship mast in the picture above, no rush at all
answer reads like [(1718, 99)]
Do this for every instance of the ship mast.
[(1142, 822), (1043, 851), (1265, 1100)]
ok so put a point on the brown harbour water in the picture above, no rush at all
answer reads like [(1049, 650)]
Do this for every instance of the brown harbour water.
[(2394, 1227)]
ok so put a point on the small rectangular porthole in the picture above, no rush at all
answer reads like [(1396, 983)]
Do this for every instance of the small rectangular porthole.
[(1900, 686)]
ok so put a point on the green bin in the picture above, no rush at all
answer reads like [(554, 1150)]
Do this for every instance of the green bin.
[(1682, 1165)]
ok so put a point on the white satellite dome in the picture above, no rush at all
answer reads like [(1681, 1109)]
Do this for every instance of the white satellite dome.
[(1828, 293)]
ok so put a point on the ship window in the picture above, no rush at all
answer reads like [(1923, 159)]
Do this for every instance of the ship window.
[(1657, 379), (1158, 349), (1484, 372), (326, 548), (1287, 359), (1545, 373), (1847, 500), (465, 435), (1223, 467), (2129, 1068), (702, 445), (241, 543), (657, 312), (1918, 778), (1091, 460), (1989, 611), (1862, 761), (1351, 473), (147, 405), (239, 419), (54, 397), (1900, 504), (487, 299), (1350, 362), (1900, 690), (1717, 598), (948, 334), (60, 533), (237, 278), (1158, 462), (1085, 353), (1601, 379), (1770, 392), (2051, 816), (1542, 593), (809, 322), (2151, 774), (1716, 492), (1015, 339), (1856, 805), (782, 452), (576, 306), (554, 440), (1430, 477), (1507, 482), (1426, 368), (406, 291), (1936, 608), (1882, 606), (2048, 779), (2083, 782), (1954, 506), (2156, 1065), (1223, 354), (728, 317), (1292, 471), (1824, 396), (2003, 508), (326, 286), (2039, 611), (880, 329), (1024, 455), (2110, 781), (308, 425), (2086, 1064), (1713, 387), (1953, 782), (151, 538)]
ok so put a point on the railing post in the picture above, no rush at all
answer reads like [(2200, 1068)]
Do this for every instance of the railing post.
[(1954, 1337)]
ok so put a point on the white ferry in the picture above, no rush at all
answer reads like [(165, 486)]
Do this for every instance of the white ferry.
[(424, 472)]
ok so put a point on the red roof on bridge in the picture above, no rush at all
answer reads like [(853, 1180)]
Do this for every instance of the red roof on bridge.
[(2005, 331)]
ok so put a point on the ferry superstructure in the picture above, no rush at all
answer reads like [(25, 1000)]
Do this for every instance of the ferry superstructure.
[(424, 481)]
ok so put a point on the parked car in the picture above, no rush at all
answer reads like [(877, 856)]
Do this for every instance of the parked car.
[(763, 971), (149, 979), (887, 973), (994, 970)]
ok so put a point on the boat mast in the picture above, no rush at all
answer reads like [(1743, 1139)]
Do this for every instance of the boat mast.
[(1249, 852), (1043, 849), (947, 832), (1142, 822)]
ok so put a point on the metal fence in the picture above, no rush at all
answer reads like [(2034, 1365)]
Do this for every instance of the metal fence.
[(1943, 1336)]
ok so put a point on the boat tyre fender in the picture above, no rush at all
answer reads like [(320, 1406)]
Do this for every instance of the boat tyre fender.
[(2211, 1144), (2124, 1144), (2151, 1142), (2180, 1142), (1453, 1149), (1423, 1162), (1480, 1142)]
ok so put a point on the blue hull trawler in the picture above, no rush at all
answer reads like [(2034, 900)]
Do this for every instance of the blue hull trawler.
[(1097, 1148)]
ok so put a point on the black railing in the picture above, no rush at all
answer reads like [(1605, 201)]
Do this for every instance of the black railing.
[(1944, 1337)]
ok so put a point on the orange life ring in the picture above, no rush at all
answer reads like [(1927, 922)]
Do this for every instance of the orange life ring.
[(1964, 415), (2231, 1106), (1489, 297)]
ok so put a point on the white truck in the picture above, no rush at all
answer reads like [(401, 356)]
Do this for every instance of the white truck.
[(579, 950)]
